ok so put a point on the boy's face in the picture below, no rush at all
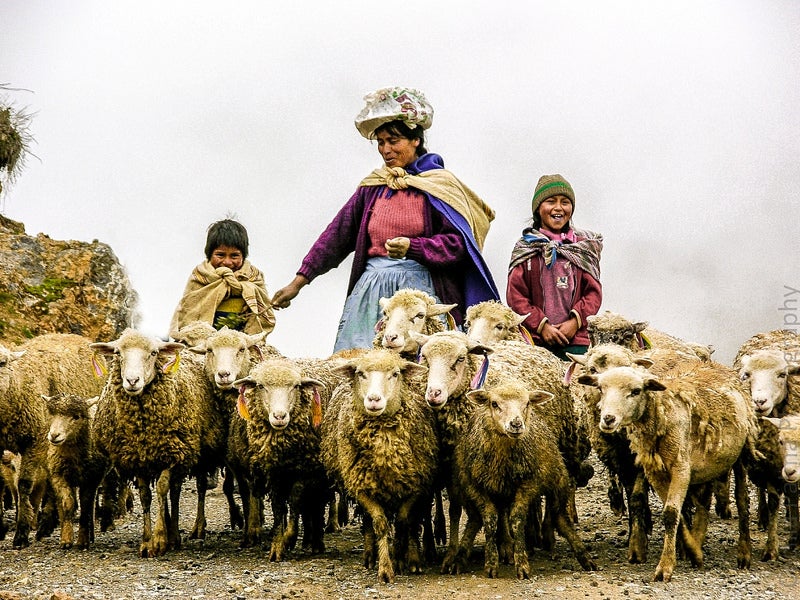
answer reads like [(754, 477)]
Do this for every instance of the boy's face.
[(555, 213), (227, 256)]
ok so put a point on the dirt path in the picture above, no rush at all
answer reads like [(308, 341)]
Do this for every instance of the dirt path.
[(218, 568)]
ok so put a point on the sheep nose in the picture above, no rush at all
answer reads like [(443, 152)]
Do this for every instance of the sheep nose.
[(223, 374), (789, 472), (434, 393), (390, 337), (516, 424), (373, 398), (609, 419), (132, 381), (279, 416)]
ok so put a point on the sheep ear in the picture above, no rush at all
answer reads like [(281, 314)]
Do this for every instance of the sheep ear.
[(420, 338), (311, 382), (93, 401), (640, 326), (256, 338), (346, 369), (793, 368), (478, 348), (170, 347), (383, 302), (439, 309), (17, 355), (587, 379), (200, 348), (519, 319), (577, 358), (104, 347), (773, 420), (538, 397), (654, 385), (478, 396), (412, 369), (644, 362), (247, 382)]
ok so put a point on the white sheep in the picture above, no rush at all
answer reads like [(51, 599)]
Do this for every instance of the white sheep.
[(409, 310), (455, 366), (769, 364), (152, 418), (74, 463), (687, 430), (47, 364), (378, 439), (275, 448), (505, 459), (492, 321)]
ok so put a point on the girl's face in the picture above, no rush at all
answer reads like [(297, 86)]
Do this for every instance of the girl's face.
[(396, 151), (555, 213), (227, 256)]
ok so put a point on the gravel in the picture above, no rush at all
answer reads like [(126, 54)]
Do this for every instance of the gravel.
[(217, 568)]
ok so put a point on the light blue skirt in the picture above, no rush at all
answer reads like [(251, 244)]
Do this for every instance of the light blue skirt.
[(381, 279)]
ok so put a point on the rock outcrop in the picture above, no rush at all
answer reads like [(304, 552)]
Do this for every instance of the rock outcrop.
[(51, 286)]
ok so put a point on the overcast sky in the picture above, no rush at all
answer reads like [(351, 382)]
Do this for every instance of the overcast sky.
[(676, 122)]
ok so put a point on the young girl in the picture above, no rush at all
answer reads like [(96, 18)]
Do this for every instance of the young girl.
[(226, 289), (554, 273)]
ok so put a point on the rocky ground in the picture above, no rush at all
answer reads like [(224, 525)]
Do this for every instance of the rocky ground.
[(218, 568)]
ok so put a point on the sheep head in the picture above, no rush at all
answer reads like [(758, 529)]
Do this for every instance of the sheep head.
[(228, 355), (448, 356), (623, 395), (378, 379), (507, 406), (274, 389), (139, 358), (767, 372), (613, 328), (491, 321), (410, 310), (789, 438), (7, 359), (69, 418)]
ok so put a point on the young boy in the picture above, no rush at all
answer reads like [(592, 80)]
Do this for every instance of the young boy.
[(554, 273), (225, 289)]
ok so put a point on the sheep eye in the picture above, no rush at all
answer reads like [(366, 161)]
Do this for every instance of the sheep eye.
[(593, 370), (362, 375), (495, 405), (154, 353), (395, 375), (3, 363), (745, 376), (636, 391), (781, 375), (499, 327)]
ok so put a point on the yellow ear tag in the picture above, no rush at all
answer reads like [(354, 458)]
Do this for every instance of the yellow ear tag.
[(98, 365), (172, 365), (316, 410), (241, 405), (526, 335), (451, 322)]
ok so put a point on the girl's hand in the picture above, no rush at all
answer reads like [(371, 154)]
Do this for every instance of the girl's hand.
[(569, 328), (397, 247), (553, 336)]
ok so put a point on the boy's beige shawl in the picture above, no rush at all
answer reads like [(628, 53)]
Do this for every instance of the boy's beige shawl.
[(208, 287)]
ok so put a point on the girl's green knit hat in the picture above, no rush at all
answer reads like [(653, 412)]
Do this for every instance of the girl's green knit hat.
[(549, 186)]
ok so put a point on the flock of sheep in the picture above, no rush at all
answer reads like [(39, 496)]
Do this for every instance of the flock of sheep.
[(502, 429)]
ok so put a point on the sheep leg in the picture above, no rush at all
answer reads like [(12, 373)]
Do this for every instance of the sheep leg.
[(25, 512), (722, 496), (380, 526), (790, 498), (616, 495), (65, 498), (520, 509), (457, 563), (742, 495), (158, 543), (343, 510), (490, 517), (673, 499), (428, 534), (172, 514), (505, 538), (280, 509), (228, 484), (87, 495), (406, 553), (199, 529), (45, 501), (702, 501), (638, 517), (145, 498), (370, 555), (454, 515), (439, 525), (110, 494), (772, 506), (253, 522)]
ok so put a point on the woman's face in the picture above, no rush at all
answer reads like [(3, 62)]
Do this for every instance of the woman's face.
[(227, 256), (555, 213), (396, 151)]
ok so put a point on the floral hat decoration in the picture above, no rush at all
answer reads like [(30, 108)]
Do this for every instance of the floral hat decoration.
[(392, 104)]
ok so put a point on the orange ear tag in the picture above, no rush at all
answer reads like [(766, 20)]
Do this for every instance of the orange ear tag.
[(172, 365), (98, 365), (316, 410), (241, 405)]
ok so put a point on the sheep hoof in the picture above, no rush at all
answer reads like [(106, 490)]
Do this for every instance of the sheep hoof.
[(21, 537)]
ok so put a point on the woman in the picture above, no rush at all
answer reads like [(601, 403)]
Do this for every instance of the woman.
[(554, 272), (410, 223)]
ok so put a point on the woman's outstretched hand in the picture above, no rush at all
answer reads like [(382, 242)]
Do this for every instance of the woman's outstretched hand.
[(284, 296)]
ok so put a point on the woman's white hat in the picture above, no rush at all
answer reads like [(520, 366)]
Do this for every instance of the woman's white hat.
[(392, 104)]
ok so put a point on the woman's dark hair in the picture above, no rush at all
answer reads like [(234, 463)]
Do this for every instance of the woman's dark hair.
[(401, 129), (227, 233)]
